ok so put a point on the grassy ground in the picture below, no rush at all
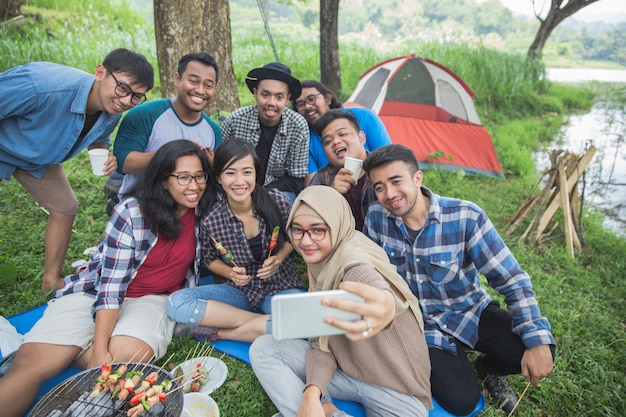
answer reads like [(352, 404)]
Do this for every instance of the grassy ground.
[(582, 297)]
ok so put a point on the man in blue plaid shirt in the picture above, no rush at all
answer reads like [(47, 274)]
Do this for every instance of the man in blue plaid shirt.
[(441, 246)]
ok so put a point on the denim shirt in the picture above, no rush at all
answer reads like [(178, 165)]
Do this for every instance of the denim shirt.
[(42, 113)]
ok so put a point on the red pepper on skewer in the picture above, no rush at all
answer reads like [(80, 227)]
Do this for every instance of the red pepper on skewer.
[(273, 240)]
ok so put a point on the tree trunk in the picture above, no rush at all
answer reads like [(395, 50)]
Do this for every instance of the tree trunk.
[(330, 66), (187, 26), (556, 15), (10, 8)]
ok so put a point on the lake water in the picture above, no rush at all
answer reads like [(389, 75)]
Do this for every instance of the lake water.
[(581, 75), (605, 176)]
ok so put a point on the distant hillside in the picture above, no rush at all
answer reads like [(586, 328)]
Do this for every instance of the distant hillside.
[(390, 23)]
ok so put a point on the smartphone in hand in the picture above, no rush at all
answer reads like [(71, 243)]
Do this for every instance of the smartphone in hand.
[(300, 316)]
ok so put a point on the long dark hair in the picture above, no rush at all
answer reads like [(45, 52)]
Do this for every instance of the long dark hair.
[(232, 151), (156, 203)]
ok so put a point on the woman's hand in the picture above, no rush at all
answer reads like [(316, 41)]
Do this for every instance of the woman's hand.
[(239, 277), (269, 268), (97, 359), (378, 310)]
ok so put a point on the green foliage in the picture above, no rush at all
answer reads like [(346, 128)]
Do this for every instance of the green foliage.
[(59, 25)]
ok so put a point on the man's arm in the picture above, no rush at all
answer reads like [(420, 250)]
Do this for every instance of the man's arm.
[(376, 134), (131, 141), (495, 261)]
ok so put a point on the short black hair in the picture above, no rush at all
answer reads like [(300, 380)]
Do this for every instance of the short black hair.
[(202, 57), (334, 114), (132, 64), (391, 153)]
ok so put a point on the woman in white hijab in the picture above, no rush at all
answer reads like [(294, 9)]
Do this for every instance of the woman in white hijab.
[(382, 365)]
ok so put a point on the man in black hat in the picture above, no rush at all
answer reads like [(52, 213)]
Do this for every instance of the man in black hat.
[(280, 135)]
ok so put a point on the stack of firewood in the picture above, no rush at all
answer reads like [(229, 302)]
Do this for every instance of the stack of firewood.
[(559, 191)]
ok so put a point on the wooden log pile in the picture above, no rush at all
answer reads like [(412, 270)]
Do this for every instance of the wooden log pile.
[(559, 191)]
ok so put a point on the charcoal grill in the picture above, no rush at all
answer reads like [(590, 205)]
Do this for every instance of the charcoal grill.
[(71, 397)]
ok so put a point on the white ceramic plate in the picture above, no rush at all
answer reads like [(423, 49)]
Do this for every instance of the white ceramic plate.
[(216, 378), (197, 404)]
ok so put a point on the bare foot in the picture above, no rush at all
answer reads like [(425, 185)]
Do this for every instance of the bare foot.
[(48, 285)]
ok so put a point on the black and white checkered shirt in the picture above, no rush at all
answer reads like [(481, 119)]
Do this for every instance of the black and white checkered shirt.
[(290, 149)]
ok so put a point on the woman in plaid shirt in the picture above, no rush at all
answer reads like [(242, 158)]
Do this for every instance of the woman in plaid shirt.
[(241, 220), (115, 306)]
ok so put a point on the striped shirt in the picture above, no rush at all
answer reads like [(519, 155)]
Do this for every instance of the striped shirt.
[(443, 265)]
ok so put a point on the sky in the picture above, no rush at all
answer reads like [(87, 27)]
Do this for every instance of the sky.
[(607, 10)]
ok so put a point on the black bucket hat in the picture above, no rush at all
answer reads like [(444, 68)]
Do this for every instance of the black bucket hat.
[(274, 71)]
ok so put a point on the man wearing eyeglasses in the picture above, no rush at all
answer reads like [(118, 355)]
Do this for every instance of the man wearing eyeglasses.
[(146, 128), (48, 114), (316, 100)]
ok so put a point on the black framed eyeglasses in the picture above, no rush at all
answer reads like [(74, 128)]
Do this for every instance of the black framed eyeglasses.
[(310, 99), (185, 179), (315, 233), (124, 90)]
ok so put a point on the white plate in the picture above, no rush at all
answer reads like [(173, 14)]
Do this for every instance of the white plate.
[(216, 378), (197, 404)]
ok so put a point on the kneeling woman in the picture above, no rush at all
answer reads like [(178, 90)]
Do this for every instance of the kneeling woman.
[(383, 361), (236, 234), (115, 306)]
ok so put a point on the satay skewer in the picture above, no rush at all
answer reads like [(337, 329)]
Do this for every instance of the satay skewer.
[(228, 256)]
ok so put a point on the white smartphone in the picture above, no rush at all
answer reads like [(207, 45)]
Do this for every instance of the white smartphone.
[(300, 316)]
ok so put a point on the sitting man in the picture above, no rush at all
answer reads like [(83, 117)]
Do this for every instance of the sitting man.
[(441, 246), (314, 101), (342, 137), (148, 127), (280, 135)]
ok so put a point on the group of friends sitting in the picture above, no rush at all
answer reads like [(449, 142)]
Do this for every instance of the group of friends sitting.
[(235, 201)]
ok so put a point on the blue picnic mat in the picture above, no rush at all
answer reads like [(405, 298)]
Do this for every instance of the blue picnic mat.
[(23, 322)]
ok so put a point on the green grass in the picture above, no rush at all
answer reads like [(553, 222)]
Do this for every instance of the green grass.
[(583, 297)]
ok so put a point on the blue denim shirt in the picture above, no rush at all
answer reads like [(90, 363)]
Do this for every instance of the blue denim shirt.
[(42, 113)]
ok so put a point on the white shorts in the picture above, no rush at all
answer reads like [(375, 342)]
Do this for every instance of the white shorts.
[(68, 321)]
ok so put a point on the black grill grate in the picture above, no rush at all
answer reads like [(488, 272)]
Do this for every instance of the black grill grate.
[(71, 397)]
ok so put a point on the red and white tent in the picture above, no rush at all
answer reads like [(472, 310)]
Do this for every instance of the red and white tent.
[(428, 108)]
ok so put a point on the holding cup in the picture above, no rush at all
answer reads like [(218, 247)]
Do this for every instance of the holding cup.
[(98, 157), (353, 165)]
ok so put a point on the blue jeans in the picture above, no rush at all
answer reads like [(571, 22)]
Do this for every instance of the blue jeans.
[(280, 366), (189, 305)]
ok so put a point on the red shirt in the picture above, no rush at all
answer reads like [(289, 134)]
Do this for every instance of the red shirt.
[(167, 263)]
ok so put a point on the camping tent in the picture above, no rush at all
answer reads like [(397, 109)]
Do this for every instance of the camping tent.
[(428, 108)]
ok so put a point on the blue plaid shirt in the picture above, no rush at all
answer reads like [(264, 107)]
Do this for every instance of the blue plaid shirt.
[(442, 266), (128, 240)]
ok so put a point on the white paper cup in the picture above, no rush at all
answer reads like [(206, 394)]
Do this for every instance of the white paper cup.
[(353, 165), (97, 157)]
